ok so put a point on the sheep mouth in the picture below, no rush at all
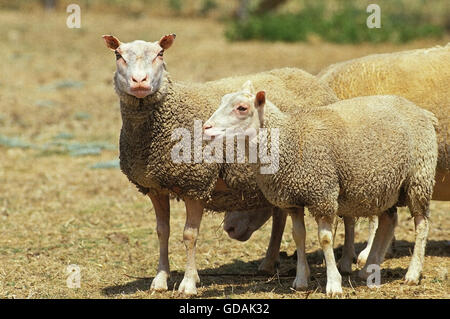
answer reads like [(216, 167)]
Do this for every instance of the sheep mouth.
[(214, 133), (140, 92), (243, 236), (240, 235)]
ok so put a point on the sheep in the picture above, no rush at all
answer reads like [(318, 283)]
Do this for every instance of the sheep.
[(154, 109), (421, 76), (354, 158)]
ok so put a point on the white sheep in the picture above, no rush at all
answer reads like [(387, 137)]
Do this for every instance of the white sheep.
[(421, 76), (354, 158)]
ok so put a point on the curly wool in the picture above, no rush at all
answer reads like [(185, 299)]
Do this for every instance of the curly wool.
[(145, 139), (357, 157), (422, 76)]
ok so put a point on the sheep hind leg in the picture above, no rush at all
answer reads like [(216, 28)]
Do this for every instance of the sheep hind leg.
[(299, 235), (415, 267), (383, 237), (334, 279), (373, 225), (348, 251), (271, 261), (194, 213)]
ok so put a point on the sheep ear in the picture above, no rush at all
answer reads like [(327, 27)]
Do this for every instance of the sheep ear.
[(248, 87), (166, 41), (260, 99), (111, 42)]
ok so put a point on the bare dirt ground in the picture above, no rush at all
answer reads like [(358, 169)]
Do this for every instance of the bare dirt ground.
[(55, 210)]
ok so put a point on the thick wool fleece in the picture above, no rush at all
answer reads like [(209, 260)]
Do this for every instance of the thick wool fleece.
[(145, 139), (356, 157), (422, 76)]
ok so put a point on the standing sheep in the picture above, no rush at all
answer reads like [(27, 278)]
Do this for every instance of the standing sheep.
[(421, 76), (155, 109), (354, 158)]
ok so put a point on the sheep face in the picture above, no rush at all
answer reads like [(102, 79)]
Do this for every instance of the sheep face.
[(241, 225), (140, 65), (239, 113)]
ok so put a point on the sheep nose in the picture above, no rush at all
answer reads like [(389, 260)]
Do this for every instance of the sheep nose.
[(139, 79), (206, 126)]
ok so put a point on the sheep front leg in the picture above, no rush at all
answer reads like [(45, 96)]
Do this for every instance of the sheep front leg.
[(348, 251), (194, 213), (162, 211), (334, 279), (299, 235), (269, 264)]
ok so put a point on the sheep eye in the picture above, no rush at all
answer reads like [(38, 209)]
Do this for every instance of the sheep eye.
[(241, 108), (161, 53), (118, 56)]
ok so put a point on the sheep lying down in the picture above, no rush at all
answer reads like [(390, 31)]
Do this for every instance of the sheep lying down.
[(421, 76), (354, 158)]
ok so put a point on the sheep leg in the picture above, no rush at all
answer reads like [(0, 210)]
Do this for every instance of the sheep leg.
[(383, 237), (162, 211), (348, 251), (334, 279), (194, 212), (272, 259), (373, 225), (415, 267), (299, 235)]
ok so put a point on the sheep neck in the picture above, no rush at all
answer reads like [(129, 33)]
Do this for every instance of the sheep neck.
[(136, 111)]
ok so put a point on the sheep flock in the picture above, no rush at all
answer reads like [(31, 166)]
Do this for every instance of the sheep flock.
[(337, 132)]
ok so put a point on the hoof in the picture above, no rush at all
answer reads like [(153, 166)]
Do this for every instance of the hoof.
[(159, 283), (334, 290), (362, 259), (345, 266), (412, 279), (268, 267), (363, 274), (334, 285), (188, 287), (300, 283)]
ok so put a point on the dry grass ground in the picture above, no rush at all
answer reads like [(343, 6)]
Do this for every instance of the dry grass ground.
[(55, 210)]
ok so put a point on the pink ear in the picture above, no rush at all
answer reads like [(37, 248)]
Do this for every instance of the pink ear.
[(167, 41), (260, 99), (111, 42)]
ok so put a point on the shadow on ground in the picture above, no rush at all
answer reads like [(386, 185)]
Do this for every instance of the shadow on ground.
[(241, 277)]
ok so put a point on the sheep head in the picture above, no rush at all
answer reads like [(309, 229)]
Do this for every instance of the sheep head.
[(140, 65), (241, 225), (238, 113)]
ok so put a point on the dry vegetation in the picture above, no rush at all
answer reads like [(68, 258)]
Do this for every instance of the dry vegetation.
[(56, 85)]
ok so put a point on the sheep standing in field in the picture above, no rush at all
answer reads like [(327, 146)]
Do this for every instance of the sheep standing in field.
[(421, 76), (354, 158), (155, 109)]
